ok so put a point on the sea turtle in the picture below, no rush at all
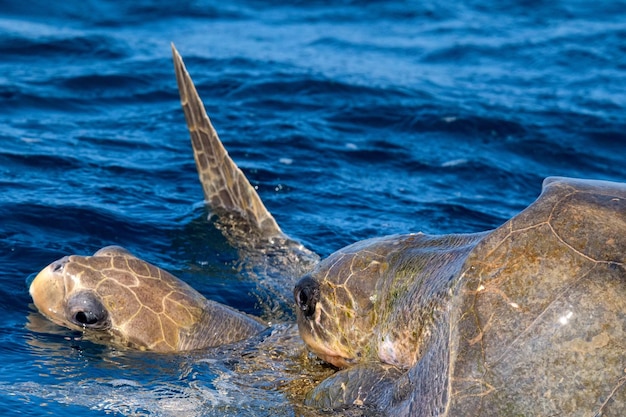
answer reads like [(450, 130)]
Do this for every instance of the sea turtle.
[(528, 319), (120, 299), (116, 297)]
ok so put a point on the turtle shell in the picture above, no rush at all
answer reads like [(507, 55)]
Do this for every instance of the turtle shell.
[(528, 319)]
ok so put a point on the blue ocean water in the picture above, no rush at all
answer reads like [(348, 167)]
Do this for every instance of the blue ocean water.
[(355, 119)]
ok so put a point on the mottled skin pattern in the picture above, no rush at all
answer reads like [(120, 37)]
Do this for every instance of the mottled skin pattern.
[(529, 319), (380, 297), (118, 298), (138, 306)]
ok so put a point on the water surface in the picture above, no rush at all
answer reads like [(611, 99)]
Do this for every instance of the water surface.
[(354, 120)]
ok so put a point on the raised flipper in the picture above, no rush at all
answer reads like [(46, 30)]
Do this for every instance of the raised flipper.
[(226, 189), (271, 256)]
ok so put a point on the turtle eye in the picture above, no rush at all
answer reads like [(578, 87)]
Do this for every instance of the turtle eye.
[(85, 309), (307, 294)]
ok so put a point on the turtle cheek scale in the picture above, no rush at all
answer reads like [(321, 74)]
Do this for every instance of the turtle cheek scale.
[(316, 325), (320, 334), (323, 324), (311, 319)]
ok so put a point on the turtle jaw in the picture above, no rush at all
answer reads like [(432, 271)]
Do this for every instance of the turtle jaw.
[(312, 332), (323, 352)]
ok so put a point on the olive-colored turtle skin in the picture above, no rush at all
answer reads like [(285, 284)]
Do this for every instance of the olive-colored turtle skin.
[(119, 299), (115, 297), (529, 319)]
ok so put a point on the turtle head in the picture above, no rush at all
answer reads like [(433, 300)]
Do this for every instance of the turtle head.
[(115, 297), (336, 306)]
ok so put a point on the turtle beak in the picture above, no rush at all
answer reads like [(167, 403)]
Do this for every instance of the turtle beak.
[(48, 289), (307, 294)]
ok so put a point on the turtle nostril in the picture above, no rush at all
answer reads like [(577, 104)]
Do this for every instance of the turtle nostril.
[(307, 295), (57, 266)]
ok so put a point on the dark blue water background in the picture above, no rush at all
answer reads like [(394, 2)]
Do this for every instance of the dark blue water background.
[(354, 120)]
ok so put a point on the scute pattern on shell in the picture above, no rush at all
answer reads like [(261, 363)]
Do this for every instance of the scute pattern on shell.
[(544, 305), (528, 319)]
